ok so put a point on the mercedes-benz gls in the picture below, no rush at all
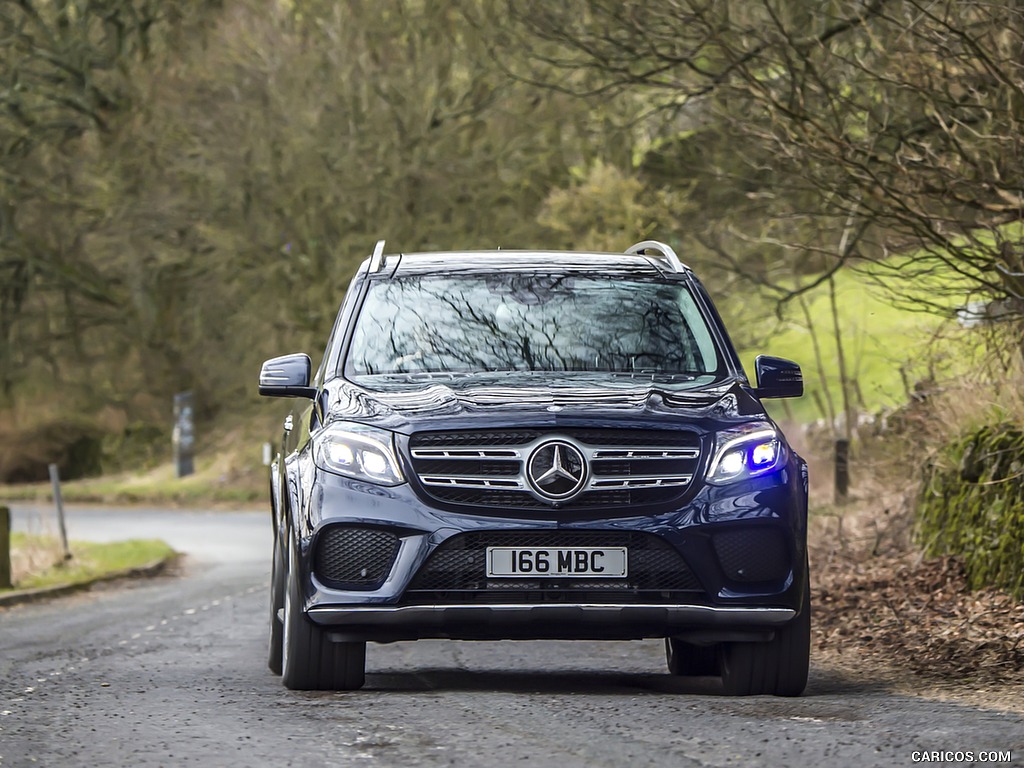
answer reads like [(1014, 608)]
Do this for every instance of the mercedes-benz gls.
[(518, 445)]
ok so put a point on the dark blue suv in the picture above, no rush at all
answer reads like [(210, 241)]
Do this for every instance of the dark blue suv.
[(528, 445)]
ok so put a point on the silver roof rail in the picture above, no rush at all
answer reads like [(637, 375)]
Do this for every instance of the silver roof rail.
[(377, 259), (665, 251)]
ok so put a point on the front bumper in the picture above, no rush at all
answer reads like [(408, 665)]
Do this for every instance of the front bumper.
[(550, 622), (721, 607)]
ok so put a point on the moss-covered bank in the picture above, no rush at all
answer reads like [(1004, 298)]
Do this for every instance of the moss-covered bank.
[(972, 504)]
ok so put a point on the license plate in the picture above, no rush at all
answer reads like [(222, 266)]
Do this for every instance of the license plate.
[(556, 562)]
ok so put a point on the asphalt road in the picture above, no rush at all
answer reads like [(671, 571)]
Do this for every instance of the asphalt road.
[(171, 671)]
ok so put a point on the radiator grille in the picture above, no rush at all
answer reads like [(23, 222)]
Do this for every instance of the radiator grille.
[(626, 467)]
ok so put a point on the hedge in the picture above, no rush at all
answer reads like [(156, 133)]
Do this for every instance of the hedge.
[(971, 504)]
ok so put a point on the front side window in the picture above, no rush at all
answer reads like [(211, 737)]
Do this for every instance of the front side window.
[(484, 323)]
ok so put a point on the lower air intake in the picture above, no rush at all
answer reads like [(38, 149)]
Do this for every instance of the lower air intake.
[(753, 554), (456, 571), (354, 558)]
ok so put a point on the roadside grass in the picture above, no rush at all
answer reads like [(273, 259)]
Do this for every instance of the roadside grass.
[(37, 561), (228, 473), (157, 486)]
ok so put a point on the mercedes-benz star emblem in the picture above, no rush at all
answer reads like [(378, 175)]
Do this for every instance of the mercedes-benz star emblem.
[(556, 470)]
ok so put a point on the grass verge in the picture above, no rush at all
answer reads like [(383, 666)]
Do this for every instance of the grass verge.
[(889, 346), (37, 561), (223, 480)]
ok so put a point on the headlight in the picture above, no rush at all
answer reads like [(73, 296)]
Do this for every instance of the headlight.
[(742, 452), (358, 451)]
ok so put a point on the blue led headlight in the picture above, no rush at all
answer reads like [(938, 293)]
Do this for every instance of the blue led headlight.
[(746, 451)]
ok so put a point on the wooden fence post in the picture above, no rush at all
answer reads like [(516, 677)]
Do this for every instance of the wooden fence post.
[(58, 502), (5, 548), (842, 475)]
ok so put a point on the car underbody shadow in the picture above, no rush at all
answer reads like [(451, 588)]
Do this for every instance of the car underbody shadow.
[(822, 683)]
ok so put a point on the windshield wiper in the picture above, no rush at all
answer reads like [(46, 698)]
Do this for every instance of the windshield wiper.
[(423, 376), (654, 375), (413, 376)]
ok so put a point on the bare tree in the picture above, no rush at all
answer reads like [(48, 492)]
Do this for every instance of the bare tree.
[(62, 78), (898, 118)]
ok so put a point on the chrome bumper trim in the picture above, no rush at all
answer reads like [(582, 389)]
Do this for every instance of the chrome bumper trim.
[(693, 615)]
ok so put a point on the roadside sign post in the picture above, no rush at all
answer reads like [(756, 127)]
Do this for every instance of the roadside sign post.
[(184, 434)]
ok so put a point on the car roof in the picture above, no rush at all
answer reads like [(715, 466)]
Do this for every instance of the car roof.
[(449, 262)]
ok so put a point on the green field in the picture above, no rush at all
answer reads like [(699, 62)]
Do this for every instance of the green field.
[(888, 347)]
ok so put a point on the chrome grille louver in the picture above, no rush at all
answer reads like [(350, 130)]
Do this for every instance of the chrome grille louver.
[(488, 468)]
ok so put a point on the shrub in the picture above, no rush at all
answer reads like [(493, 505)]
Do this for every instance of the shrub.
[(972, 504)]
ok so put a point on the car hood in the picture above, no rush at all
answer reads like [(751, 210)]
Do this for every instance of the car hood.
[(494, 403)]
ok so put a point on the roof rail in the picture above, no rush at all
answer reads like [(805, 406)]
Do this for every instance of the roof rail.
[(377, 259), (665, 251)]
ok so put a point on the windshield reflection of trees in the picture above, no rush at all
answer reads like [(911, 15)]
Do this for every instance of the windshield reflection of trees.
[(525, 323)]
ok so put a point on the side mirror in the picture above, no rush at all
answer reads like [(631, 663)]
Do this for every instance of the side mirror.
[(777, 377), (287, 376)]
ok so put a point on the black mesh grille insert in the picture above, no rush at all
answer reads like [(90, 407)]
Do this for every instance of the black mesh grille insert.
[(641, 466), (457, 570), (507, 499), (354, 558), (753, 554), (481, 467)]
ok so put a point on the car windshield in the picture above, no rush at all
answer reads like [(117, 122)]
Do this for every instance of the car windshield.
[(483, 323)]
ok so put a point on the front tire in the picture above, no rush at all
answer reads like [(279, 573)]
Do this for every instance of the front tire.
[(275, 652), (310, 660), (778, 667)]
